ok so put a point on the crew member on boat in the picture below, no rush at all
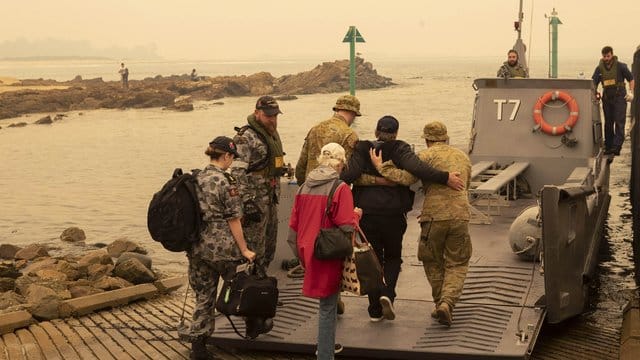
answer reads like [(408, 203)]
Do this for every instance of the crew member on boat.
[(612, 74), (512, 68)]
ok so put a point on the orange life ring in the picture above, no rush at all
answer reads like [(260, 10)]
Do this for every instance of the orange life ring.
[(568, 124)]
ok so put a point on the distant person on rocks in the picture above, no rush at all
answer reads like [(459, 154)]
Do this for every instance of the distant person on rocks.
[(194, 75), (512, 67), (223, 245), (385, 208), (124, 76), (258, 170), (612, 74), (445, 245)]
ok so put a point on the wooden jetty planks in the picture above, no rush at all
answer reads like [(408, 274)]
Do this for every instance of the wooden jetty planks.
[(29, 344), (130, 348), (92, 342), (162, 328), (142, 329), (3, 350), (60, 341), (133, 336), (13, 347), (82, 348), (106, 340), (47, 347)]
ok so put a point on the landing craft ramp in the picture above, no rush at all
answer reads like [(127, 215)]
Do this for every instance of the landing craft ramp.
[(497, 316)]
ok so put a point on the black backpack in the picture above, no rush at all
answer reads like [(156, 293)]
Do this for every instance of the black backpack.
[(174, 218)]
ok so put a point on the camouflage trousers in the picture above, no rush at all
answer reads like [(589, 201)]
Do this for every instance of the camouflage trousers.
[(445, 250), (204, 277), (262, 236)]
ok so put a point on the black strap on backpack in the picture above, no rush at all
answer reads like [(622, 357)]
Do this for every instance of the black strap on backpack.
[(262, 163)]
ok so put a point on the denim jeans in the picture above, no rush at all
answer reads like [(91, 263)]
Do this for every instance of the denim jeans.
[(327, 318)]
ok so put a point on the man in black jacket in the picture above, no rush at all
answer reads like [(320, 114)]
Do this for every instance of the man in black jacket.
[(384, 218)]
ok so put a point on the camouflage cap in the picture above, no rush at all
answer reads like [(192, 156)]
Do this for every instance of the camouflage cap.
[(349, 103), (435, 131), (269, 105)]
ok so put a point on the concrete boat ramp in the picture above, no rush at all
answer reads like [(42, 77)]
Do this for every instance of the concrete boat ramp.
[(499, 316)]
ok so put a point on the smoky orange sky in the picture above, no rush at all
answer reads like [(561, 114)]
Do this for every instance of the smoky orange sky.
[(250, 29)]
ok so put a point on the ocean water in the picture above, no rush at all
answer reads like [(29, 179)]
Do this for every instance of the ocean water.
[(98, 169)]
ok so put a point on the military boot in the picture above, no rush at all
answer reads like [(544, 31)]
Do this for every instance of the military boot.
[(444, 314), (199, 349)]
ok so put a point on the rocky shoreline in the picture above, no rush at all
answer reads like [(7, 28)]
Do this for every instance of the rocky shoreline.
[(176, 92), (52, 286)]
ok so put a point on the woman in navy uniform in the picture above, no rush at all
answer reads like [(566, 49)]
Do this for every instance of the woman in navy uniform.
[(222, 246)]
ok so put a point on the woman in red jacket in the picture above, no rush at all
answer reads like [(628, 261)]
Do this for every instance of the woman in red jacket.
[(322, 277)]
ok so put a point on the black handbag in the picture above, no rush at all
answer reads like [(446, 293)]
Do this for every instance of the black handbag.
[(247, 294), (332, 243)]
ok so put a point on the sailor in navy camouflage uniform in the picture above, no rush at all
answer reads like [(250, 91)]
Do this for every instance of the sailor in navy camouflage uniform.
[(222, 246), (258, 170)]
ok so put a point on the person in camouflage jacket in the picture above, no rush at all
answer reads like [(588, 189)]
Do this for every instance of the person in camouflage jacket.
[(258, 170), (222, 246)]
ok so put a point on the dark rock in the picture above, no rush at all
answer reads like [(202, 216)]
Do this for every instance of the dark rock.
[(286, 97), (31, 252), (59, 117), (111, 283), (51, 275), (144, 259), (69, 269), (134, 271), (73, 234), (44, 121), (8, 251), (10, 298), (43, 263), (97, 271), (43, 302), (7, 284), (119, 246), (95, 257), (83, 290), (8, 270), (20, 124)]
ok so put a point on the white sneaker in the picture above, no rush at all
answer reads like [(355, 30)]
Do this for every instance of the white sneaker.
[(387, 308), (376, 319)]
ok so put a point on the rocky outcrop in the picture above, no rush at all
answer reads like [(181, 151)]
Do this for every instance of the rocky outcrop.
[(72, 234), (162, 91)]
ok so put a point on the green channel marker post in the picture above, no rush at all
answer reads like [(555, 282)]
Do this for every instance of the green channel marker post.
[(554, 21), (352, 37)]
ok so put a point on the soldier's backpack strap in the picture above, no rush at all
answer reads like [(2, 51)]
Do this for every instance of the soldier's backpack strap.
[(262, 163)]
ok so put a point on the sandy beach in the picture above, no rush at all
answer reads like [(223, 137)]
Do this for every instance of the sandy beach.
[(6, 85)]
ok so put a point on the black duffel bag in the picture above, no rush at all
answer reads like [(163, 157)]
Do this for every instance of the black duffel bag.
[(249, 295)]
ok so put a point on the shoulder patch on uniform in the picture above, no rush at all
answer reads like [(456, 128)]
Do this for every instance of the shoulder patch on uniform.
[(232, 180)]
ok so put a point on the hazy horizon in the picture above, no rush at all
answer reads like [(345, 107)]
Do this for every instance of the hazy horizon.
[(253, 30)]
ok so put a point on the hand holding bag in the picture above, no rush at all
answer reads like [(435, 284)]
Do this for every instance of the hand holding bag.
[(332, 243), (362, 272)]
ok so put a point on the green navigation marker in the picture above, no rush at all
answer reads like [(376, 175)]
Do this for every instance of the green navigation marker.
[(352, 37), (554, 21)]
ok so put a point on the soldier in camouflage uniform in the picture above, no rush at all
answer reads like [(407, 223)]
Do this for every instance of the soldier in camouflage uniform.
[(222, 245), (336, 129), (512, 68), (445, 245), (258, 170)]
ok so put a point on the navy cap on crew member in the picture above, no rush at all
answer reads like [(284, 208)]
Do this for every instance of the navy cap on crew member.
[(388, 124), (225, 144), (269, 105)]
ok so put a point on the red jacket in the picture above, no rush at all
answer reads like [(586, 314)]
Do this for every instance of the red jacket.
[(322, 277)]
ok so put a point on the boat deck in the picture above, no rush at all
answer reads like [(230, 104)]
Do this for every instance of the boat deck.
[(496, 317)]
